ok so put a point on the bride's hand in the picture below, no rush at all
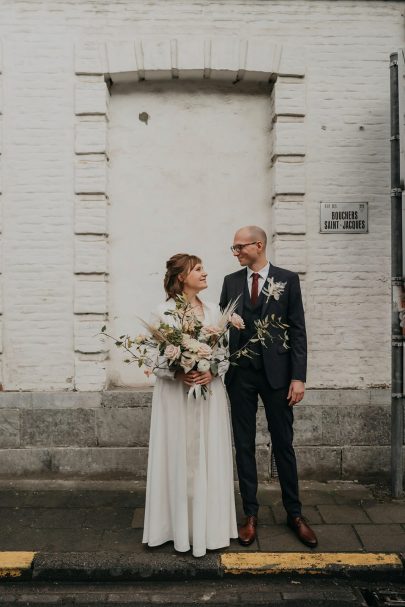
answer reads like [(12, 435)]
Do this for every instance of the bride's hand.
[(203, 379), (187, 378)]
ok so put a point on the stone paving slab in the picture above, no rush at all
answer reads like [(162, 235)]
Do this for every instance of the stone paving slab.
[(386, 513), (342, 514), (382, 537)]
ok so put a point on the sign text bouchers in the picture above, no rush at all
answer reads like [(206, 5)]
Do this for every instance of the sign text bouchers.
[(344, 217)]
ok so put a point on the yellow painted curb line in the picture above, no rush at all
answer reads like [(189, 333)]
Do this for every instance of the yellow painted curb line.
[(303, 562), (13, 564)]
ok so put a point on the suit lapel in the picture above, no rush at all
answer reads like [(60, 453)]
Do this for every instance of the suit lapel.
[(239, 289)]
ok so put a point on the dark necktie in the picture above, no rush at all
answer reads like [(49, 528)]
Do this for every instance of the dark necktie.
[(255, 289)]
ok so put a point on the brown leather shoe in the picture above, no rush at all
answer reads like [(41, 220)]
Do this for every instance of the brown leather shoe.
[(247, 533), (302, 530)]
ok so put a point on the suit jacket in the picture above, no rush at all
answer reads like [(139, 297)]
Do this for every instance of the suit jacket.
[(280, 365)]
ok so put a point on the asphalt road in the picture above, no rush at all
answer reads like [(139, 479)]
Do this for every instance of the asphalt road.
[(242, 591)]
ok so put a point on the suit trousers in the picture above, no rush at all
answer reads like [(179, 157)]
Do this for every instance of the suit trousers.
[(245, 387)]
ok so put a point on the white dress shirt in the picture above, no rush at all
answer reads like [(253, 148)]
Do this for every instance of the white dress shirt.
[(263, 274)]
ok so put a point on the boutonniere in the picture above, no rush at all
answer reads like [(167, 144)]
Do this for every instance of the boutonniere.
[(273, 289)]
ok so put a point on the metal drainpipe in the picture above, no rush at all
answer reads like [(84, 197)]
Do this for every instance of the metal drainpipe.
[(397, 411)]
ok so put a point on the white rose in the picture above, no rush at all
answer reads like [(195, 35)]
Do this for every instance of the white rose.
[(236, 321), (172, 352), (188, 361), (204, 365), (204, 351), (193, 345), (185, 340)]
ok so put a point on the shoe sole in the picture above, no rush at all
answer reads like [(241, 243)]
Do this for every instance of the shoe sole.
[(242, 543)]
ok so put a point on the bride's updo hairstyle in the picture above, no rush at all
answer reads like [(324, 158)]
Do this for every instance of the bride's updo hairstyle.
[(177, 267)]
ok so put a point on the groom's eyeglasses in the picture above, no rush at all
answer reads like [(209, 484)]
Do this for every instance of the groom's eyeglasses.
[(236, 248)]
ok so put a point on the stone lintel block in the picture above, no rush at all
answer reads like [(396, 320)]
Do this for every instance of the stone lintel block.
[(127, 398), (288, 175), (290, 252), (91, 95), (90, 375), (90, 58), (224, 58), (93, 462), (16, 463), (261, 61), (318, 462), (288, 97), (90, 254), (15, 400), (62, 428), (190, 55), (91, 135), (65, 400), (121, 57), (91, 174), (91, 214), (118, 77), (123, 427), (49, 400), (293, 61), (9, 428), (87, 336), (288, 138), (154, 59), (90, 295), (289, 217), (380, 396), (336, 397), (366, 462)]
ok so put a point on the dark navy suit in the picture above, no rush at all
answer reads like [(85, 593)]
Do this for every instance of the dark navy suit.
[(267, 375)]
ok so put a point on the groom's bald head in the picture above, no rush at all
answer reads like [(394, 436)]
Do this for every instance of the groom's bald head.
[(252, 233), (249, 246)]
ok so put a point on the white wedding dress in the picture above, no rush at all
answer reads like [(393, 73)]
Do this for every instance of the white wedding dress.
[(189, 492)]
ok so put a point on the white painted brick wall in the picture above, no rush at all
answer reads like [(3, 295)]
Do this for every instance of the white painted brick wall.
[(341, 48), (91, 214)]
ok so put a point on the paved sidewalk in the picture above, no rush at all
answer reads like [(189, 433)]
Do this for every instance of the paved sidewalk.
[(105, 517), (102, 515)]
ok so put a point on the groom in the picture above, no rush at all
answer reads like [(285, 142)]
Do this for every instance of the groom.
[(275, 372)]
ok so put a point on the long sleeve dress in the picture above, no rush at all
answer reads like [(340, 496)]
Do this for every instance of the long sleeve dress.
[(190, 492)]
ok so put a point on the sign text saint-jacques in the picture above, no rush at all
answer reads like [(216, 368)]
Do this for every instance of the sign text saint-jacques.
[(344, 217)]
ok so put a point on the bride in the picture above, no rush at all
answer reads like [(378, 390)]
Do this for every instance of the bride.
[(189, 492)]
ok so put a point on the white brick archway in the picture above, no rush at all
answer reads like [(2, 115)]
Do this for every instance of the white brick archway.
[(223, 59)]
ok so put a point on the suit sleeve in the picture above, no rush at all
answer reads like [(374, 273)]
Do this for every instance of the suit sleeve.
[(224, 300), (297, 331)]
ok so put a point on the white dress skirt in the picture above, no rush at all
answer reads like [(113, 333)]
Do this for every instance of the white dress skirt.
[(189, 492)]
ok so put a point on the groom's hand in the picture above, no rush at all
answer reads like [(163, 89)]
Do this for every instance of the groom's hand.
[(296, 392)]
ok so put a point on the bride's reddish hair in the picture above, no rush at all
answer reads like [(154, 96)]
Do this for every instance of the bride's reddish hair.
[(177, 268)]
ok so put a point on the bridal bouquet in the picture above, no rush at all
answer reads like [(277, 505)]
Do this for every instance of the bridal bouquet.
[(186, 344)]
